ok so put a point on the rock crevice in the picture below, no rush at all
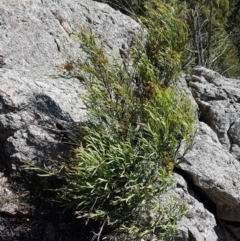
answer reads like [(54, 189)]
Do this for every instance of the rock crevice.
[(212, 166)]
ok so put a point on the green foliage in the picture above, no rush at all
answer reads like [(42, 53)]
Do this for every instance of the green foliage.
[(137, 123), (167, 37), (233, 29), (210, 44), (138, 120), (213, 27)]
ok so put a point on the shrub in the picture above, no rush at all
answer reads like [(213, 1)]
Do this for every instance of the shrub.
[(138, 120), (167, 37)]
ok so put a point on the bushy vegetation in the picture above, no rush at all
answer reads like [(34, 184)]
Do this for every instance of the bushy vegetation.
[(213, 28), (138, 119), (211, 42)]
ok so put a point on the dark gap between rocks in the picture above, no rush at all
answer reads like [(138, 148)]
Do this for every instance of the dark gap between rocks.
[(205, 115), (4, 156), (230, 138), (197, 193)]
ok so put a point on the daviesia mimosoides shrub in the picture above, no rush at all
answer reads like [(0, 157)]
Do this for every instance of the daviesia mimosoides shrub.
[(138, 119)]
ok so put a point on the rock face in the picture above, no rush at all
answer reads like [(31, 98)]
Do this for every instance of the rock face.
[(199, 223), (40, 110), (212, 166), (218, 100), (216, 172)]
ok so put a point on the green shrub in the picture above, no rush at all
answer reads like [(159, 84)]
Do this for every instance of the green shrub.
[(137, 122), (167, 37)]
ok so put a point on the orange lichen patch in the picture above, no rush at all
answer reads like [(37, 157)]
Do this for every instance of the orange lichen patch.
[(69, 66)]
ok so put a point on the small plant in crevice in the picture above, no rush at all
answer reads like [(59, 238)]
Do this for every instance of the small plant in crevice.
[(138, 119)]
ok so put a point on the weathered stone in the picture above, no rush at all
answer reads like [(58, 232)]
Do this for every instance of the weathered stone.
[(216, 172), (39, 110), (212, 165), (218, 101), (10, 203), (235, 230), (210, 75), (234, 132), (235, 150), (199, 224)]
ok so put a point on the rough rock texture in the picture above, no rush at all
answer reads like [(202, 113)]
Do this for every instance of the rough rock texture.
[(199, 223), (40, 111), (212, 166), (216, 172), (219, 103)]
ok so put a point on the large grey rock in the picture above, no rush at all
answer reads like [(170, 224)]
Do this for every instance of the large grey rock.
[(213, 166), (218, 101), (216, 172), (40, 111), (234, 132), (198, 224), (34, 33)]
